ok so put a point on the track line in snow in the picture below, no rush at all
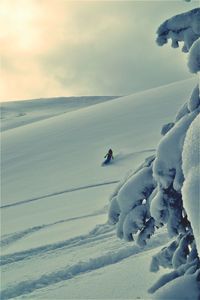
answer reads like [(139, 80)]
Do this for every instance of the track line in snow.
[(59, 193), (122, 156), (100, 232), (139, 152), (11, 238), (69, 272), (76, 188)]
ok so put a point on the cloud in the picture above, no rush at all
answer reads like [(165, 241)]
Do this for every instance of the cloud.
[(53, 48)]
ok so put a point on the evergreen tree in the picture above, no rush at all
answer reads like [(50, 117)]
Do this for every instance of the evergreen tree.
[(165, 189)]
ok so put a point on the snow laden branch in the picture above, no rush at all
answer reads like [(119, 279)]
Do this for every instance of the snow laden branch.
[(165, 190), (130, 207), (191, 171), (180, 28)]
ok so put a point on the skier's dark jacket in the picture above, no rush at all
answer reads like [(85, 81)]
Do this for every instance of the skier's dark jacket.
[(109, 155)]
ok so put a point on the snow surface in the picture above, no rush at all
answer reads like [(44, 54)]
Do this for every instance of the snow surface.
[(19, 113), (56, 243)]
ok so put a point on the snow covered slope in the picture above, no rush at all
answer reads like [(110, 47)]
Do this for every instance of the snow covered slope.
[(55, 193), (19, 113)]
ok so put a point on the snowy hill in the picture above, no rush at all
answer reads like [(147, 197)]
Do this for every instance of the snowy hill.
[(19, 113), (55, 193)]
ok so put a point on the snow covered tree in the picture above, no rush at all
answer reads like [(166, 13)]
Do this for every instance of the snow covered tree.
[(165, 189)]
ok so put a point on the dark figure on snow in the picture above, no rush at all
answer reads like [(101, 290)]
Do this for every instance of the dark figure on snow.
[(108, 156)]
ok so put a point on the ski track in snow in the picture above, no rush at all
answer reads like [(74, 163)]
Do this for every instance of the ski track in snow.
[(13, 237), (118, 157), (59, 193), (82, 267), (121, 156), (98, 233)]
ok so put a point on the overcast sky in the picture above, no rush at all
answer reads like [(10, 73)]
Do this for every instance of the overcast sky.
[(68, 48)]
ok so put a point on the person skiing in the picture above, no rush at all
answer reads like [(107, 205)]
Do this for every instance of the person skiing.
[(108, 156)]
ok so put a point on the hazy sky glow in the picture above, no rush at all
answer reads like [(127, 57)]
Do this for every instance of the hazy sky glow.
[(64, 48)]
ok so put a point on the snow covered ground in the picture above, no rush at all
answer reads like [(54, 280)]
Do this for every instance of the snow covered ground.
[(56, 243), (19, 113)]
